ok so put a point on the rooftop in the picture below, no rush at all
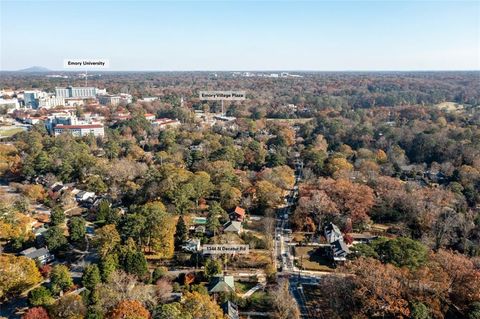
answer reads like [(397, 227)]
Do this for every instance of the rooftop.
[(85, 126), (222, 284)]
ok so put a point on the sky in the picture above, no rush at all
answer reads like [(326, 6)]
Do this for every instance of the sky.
[(243, 35)]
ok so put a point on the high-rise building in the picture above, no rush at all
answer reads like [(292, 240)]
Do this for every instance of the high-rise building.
[(81, 92), (30, 99), (62, 92)]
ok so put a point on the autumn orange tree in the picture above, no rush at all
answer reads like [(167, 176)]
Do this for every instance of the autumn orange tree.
[(129, 309), (201, 306), (463, 277), (335, 200), (379, 288)]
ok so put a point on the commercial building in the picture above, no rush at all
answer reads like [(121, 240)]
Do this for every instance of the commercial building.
[(82, 92), (51, 101), (80, 130), (114, 100), (30, 98), (9, 105), (64, 118)]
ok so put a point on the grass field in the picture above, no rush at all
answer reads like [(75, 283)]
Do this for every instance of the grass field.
[(10, 132), (243, 287), (311, 258)]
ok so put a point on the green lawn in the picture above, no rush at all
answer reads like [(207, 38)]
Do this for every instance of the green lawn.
[(259, 301), (10, 132), (243, 287)]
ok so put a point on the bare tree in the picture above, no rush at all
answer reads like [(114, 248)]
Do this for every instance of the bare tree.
[(284, 306)]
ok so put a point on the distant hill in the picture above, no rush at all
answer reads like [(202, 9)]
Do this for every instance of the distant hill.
[(34, 69)]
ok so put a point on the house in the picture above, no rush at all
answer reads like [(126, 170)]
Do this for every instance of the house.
[(332, 233), (200, 229), (222, 283), (165, 123), (39, 231), (232, 227), (196, 147), (339, 249), (41, 255), (191, 245), (238, 214), (150, 117), (39, 234), (230, 310), (58, 188), (83, 196)]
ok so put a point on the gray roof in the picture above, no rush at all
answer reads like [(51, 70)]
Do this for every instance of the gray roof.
[(57, 188), (340, 249), (232, 226), (35, 253), (332, 233), (222, 284), (39, 231), (231, 310)]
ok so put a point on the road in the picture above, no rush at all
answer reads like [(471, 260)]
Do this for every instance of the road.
[(85, 257), (284, 259)]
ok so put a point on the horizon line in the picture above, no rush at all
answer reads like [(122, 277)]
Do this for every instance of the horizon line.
[(252, 70)]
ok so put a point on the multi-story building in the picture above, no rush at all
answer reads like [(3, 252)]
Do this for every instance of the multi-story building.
[(80, 130), (9, 105), (114, 100), (63, 118), (30, 99), (81, 92), (51, 101), (74, 101)]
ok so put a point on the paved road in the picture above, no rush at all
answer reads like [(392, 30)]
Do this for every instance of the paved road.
[(283, 257), (282, 250)]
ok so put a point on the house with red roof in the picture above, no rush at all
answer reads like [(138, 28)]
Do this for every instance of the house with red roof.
[(238, 214)]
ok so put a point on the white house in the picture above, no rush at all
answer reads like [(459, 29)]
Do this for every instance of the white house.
[(84, 196)]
